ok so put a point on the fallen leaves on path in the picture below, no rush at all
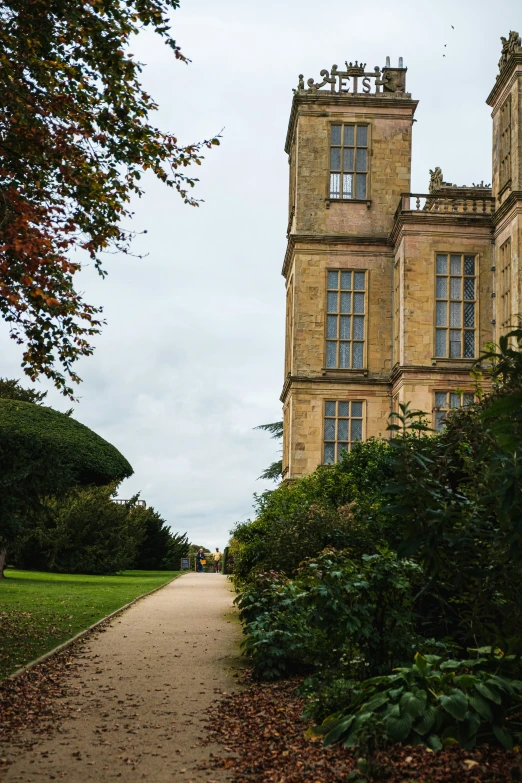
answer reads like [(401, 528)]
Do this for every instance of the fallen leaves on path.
[(32, 700), (262, 730)]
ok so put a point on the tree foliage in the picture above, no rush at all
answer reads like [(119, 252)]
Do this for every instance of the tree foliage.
[(274, 471), (44, 453), (160, 549), (336, 506), (10, 389), (85, 531), (38, 430), (75, 138)]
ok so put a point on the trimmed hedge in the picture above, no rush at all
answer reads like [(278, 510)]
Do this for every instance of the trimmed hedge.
[(35, 428)]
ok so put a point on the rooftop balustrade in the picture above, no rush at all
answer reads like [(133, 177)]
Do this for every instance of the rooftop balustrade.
[(466, 204)]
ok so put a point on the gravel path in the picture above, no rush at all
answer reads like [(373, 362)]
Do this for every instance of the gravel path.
[(142, 692)]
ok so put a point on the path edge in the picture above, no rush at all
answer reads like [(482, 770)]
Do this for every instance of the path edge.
[(81, 634)]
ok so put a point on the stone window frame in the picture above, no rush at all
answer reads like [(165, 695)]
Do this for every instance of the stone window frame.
[(505, 283), (449, 300), (355, 122), (505, 133), (338, 340), (289, 326), (440, 411), (347, 414), (397, 311)]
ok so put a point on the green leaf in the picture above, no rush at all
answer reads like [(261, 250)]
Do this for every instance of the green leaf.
[(456, 704), (427, 720), (434, 742), (399, 728), (504, 737), (393, 694), (335, 734), (469, 727), (379, 680), (352, 739), (516, 684), (501, 683), (451, 664), (421, 663), (488, 692), (480, 706), (375, 703), (465, 680), (413, 703)]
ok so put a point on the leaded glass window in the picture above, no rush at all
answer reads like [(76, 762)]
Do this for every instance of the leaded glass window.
[(445, 401), (505, 287), (349, 161), (343, 426), (505, 143), (455, 306), (346, 313)]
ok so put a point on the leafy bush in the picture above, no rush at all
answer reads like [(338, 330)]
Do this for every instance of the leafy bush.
[(42, 453), (431, 525), (85, 532), (454, 503), (336, 612), (337, 506), (435, 702), (365, 608), (278, 638), (90, 457)]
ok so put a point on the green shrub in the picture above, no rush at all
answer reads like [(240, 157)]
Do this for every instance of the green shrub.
[(435, 702), (364, 607), (336, 612), (91, 458), (44, 453), (85, 532), (338, 506), (279, 640)]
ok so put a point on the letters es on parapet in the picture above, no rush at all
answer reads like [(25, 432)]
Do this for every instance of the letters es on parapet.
[(355, 80)]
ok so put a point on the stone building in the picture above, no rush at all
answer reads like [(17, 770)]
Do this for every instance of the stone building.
[(390, 295)]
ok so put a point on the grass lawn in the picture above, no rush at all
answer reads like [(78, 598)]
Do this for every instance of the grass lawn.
[(38, 611)]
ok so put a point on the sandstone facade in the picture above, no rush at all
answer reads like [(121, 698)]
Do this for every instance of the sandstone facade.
[(390, 295)]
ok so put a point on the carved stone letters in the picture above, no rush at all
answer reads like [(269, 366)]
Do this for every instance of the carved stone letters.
[(356, 80)]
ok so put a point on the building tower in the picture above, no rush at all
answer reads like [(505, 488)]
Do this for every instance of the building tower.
[(388, 293), (505, 100)]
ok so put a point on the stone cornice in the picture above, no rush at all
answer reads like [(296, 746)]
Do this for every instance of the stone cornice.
[(348, 380), (286, 387), (503, 78), (421, 218), (360, 100), (509, 204), (461, 368), (331, 239)]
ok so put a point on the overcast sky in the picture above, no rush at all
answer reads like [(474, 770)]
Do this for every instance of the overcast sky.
[(192, 356)]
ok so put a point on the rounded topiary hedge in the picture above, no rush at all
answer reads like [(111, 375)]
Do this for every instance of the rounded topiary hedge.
[(35, 430)]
